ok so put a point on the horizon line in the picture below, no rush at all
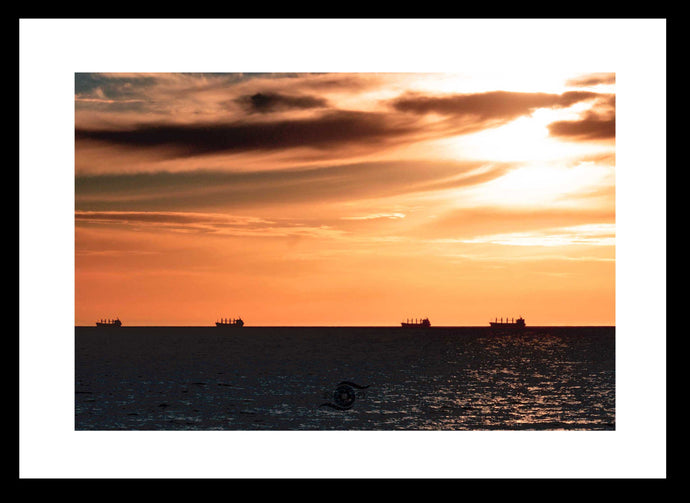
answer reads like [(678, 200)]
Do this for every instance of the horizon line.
[(348, 326)]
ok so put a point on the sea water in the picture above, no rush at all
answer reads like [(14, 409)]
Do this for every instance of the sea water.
[(344, 378)]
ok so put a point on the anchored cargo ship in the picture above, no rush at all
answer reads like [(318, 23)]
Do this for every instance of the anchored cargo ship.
[(415, 323), (109, 323), (230, 323), (508, 324)]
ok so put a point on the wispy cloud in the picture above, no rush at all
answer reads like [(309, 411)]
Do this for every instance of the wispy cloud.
[(468, 223), (376, 216), (207, 189), (206, 223), (590, 235), (593, 79)]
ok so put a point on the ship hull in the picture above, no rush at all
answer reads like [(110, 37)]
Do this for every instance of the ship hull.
[(229, 325)]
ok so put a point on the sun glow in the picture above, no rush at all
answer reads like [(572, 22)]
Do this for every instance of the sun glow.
[(538, 183), (524, 139)]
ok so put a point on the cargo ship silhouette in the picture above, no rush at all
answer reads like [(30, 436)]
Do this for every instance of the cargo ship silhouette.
[(511, 324), (109, 323), (230, 323), (416, 323)]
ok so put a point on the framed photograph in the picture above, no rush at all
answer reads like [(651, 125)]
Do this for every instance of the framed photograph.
[(364, 242)]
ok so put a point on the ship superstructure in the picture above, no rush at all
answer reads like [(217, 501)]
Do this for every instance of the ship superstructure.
[(230, 322), (508, 323), (416, 323), (109, 323)]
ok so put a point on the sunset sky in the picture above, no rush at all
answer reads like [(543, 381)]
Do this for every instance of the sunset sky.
[(345, 198)]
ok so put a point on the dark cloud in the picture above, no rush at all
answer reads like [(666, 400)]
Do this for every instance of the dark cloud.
[(591, 127), (275, 102), (502, 105), (329, 130), (598, 123)]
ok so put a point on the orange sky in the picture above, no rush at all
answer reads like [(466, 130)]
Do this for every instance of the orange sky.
[(344, 199)]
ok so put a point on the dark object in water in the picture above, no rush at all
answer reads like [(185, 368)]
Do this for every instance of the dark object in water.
[(345, 395), (513, 324), (232, 323), (109, 323), (416, 323)]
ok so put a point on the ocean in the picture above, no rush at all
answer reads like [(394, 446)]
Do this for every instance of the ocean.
[(344, 378)]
